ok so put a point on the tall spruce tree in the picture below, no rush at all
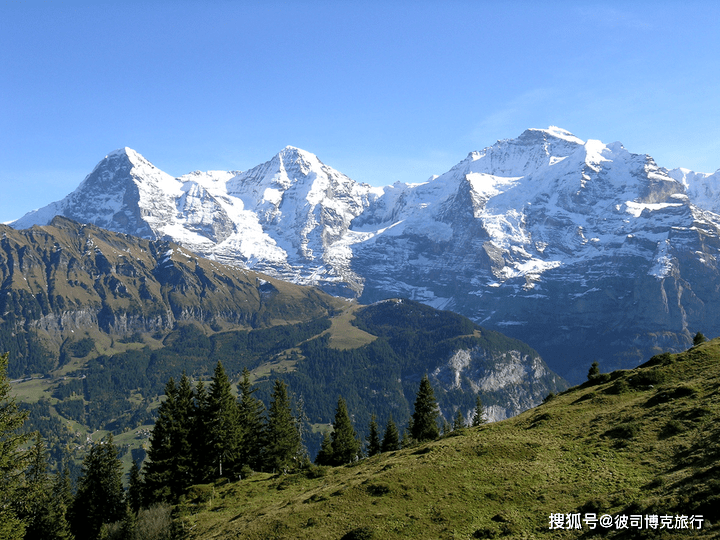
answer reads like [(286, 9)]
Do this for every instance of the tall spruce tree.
[(345, 443), (325, 455), (134, 495), (11, 461), (170, 468), (100, 495), (282, 439), (44, 514), (479, 415), (203, 468), (223, 429), (373, 438), (391, 439), (424, 419), (250, 420), (459, 422)]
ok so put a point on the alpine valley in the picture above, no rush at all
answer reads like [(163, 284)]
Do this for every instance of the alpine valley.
[(581, 249), (96, 323)]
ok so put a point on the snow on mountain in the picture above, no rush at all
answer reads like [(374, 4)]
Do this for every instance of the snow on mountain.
[(541, 236)]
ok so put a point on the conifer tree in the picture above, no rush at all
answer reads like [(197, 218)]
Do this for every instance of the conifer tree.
[(203, 468), (223, 429), (459, 422), (391, 439), (282, 439), (100, 496), (594, 372), (170, 468), (479, 415), (135, 489), (345, 443), (325, 455), (11, 461), (373, 438), (424, 425), (250, 419)]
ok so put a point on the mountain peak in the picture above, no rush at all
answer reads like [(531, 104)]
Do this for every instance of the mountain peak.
[(557, 132)]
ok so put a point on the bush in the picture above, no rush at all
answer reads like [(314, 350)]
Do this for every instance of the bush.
[(361, 533)]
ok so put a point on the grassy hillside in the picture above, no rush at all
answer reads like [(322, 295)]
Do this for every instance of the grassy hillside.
[(643, 441)]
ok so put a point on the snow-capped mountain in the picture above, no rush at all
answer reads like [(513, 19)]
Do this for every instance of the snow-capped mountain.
[(561, 242)]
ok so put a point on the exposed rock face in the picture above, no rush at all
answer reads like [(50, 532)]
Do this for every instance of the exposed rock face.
[(580, 248), (67, 277)]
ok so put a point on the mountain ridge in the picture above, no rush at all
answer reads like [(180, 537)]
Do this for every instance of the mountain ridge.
[(530, 225)]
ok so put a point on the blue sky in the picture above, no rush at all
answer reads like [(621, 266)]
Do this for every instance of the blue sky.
[(382, 91)]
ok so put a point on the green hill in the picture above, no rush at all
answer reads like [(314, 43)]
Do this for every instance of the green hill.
[(635, 442)]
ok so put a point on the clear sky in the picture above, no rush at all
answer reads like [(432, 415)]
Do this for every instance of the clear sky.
[(382, 91)]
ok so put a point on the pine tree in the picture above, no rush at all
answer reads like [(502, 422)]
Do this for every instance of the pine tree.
[(325, 455), (11, 461), (373, 438), (250, 419), (698, 339), (594, 372), (459, 422), (170, 468), (345, 443), (391, 439), (100, 496), (282, 439), (223, 429), (479, 414), (135, 490), (424, 426), (203, 469)]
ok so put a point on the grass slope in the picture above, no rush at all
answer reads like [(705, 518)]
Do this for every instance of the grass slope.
[(642, 441)]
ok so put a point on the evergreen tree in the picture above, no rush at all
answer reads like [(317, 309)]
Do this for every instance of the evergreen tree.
[(373, 438), (170, 468), (44, 514), (594, 372), (345, 443), (11, 461), (479, 415), (250, 419), (223, 429), (100, 496), (325, 455), (698, 339), (135, 489), (203, 468), (424, 425), (459, 422), (391, 439), (282, 439)]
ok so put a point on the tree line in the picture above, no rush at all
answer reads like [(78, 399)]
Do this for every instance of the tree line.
[(201, 434)]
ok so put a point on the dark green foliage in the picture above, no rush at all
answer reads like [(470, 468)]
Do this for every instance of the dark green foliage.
[(424, 424), (698, 339), (391, 439), (222, 428), (345, 443), (135, 488), (170, 467), (360, 533), (11, 420), (100, 497), (282, 439), (325, 455), (250, 419), (459, 421), (43, 511), (594, 372), (479, 417), (373, 438)]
